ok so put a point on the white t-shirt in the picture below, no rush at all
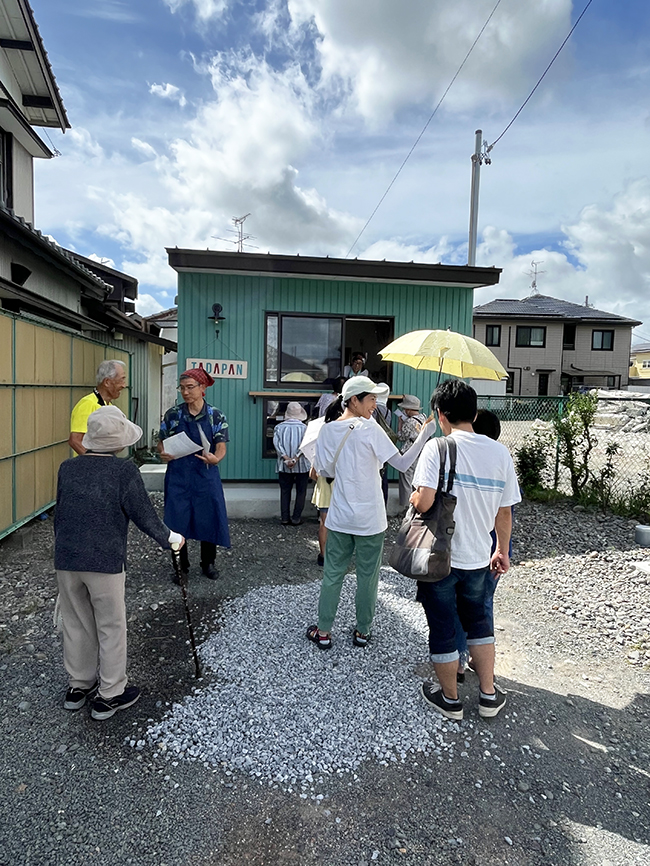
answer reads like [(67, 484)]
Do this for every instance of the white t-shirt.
[(485, 481), (357, 505)]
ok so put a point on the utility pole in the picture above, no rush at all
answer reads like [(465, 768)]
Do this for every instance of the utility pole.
[(480, 155)]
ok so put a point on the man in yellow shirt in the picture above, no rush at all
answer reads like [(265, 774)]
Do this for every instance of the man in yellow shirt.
[(111, 380)]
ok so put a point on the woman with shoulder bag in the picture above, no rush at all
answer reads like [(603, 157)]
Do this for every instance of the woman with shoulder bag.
[(352, 450)]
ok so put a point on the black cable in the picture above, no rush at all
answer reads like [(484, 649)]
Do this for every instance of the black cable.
[(426, 125), (555, 56)]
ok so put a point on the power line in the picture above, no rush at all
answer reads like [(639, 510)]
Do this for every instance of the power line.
[(555, 56), (426, 125)]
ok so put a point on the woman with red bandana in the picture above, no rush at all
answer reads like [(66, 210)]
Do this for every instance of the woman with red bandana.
[(194, 497)]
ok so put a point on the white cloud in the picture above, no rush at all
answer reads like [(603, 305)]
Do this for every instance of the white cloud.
[(144, 148), (205, 9), (169, 91), (147, 305), (102, 260)]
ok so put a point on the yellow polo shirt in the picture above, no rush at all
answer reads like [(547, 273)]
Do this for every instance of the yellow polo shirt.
[(84, 408)]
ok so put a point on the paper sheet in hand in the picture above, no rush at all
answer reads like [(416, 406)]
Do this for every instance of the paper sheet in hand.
[(180, 445), (204, 442), (308, 444)]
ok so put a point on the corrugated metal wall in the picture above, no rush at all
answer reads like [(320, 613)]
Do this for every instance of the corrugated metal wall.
[(246, 299), (43, 372)]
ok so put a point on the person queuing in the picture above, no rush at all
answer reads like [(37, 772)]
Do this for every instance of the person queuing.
[(291, 466), (383, 416), (194, 502), (111, 381), (97, 495), (356, 366), (326, 399), (485, 487), (409, 429), (352, 451)]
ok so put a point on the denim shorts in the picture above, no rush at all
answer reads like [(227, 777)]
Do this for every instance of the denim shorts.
[(463, 593)]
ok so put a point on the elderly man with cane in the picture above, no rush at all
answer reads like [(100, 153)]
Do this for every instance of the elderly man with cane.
[(97, 496)]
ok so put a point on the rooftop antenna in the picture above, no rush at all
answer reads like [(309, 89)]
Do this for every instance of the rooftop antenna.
[(534, 274), (240, 241)]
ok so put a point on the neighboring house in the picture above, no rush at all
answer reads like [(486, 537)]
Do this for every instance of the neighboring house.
[(60, 313), (551, 347), (167, 321), (275, 328), (640, 364)]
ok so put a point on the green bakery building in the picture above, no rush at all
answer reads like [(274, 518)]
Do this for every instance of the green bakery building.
[(275, 328)]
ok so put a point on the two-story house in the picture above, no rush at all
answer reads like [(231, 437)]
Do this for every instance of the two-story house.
[(640, 365), (550, 346)]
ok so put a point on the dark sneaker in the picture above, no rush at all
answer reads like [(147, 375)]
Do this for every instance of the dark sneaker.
[(434, 697), (210, 571), (359, 639), (103, 708), (76, 698), (320, 560), (295, 522), (489, 709)]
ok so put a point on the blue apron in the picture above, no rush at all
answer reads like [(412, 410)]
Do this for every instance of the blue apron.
[(194, 500)]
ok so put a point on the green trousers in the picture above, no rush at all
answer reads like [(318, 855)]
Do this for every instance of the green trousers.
[(338, 552)]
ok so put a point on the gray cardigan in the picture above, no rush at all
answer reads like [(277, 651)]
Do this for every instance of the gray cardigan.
[(95, 499)]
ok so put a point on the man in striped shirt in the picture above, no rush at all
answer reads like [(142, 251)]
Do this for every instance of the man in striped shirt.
[(485, 487), (292, 467)]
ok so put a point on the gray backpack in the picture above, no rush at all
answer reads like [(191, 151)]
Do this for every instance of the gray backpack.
[(423, 546)]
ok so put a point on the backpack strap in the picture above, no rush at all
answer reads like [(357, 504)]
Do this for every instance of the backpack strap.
[(451, 445)]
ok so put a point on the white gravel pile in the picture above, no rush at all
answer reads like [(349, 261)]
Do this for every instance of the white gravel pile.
[(289, 713)]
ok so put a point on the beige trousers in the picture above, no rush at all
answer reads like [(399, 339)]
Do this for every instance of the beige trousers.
[(94, 629)]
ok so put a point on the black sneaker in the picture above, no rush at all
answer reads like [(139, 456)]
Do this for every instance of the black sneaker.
[(103, 708), (210, 571), (76, 698), (489, 709), (435, 699)]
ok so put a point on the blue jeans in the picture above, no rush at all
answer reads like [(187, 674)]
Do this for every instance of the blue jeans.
[(461, 637), (460, 595)]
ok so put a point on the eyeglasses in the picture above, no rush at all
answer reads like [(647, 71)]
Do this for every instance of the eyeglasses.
[(187, 387)]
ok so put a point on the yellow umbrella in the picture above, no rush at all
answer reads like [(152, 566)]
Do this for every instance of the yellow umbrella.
[(445, 352)]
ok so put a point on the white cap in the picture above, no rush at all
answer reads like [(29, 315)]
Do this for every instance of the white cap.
[(383, 397), (109, 430), (359, 385)]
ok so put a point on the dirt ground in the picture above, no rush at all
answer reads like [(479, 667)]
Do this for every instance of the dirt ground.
[(562, 777)]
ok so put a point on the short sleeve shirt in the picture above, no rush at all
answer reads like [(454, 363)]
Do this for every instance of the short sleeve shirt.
[(485, 481), (357, 504), (83, 410), (218, 422)]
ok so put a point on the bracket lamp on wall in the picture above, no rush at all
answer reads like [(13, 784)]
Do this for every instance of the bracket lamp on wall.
[(216, 316)]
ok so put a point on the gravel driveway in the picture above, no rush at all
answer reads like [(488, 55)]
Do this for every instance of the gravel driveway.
[(283, 754)]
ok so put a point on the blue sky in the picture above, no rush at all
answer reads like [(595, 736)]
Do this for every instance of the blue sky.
[(186, 113)]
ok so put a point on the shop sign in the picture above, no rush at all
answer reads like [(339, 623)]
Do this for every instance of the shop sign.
[(220, 369)]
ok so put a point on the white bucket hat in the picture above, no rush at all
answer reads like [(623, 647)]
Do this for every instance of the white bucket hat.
[(358, 385), (109, 430), (410, 402), (383, 397), (295, 411)]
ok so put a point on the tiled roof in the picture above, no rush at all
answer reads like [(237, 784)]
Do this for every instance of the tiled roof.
[(170, 315), (640, 347), (543, 306)]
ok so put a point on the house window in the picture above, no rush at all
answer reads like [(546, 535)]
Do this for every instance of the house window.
[(535, 338), (611, 381), (645, 364), (493, 335), (602, 341), (510, 383), (6, 171), (302, 350), (569, 337)]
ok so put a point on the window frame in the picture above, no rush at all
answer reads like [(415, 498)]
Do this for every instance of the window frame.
[(296, 386), (530, 328), (496, 343), (568, 347), (602, 332), (510, 382)]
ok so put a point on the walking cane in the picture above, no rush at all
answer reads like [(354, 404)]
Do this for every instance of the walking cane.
[(181, 578)]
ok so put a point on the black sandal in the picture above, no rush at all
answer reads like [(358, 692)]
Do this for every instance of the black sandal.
[(359, 639), (321, 641)]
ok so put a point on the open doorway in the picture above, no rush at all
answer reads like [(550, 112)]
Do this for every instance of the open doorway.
[(369, 336)]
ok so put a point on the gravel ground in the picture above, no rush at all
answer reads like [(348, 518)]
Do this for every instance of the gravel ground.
[(562, 776)]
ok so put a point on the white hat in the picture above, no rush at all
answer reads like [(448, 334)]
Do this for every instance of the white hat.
[(109, 430), (359, 385), (383, 397), (295, 410), (410, 402)]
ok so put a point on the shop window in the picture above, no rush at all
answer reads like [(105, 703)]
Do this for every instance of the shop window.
[(493, 335), (274, 414), (534, 338), (302, 350), (602, 341), (569, 337)]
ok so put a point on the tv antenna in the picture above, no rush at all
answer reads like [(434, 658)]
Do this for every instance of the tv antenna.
[(534, 274), (240, 240)]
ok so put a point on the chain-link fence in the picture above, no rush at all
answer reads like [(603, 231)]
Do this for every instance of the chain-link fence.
[(619, 421)]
